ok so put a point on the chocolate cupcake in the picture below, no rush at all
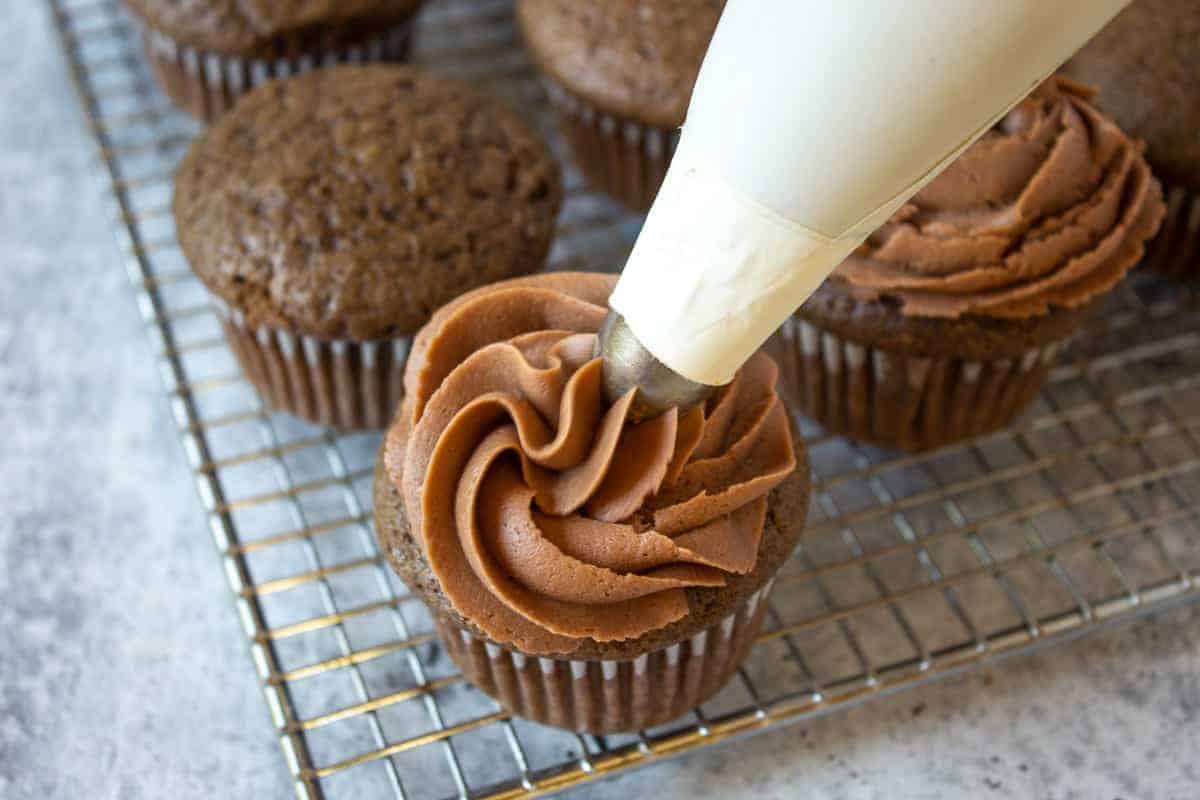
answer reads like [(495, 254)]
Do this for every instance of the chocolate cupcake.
[(586, 571), (1145, 65), (944, 323), (207, 53), (620, 75), (330, 214)]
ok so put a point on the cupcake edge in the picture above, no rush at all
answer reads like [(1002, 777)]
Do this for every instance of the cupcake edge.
[(621, 156), (913, 401), (206, 83), (602, 696), (339, 383)]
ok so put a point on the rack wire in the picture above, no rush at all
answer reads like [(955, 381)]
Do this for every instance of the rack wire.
[(1085, 514)]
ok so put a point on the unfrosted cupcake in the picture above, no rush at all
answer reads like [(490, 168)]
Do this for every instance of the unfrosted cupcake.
[(330, 214), (945, 322), (1146, 64), (586, 571), (620, 74), (207, 53)]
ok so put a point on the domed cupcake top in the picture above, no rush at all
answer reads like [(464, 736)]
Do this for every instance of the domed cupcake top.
[(550, 519), (354, 201), (256, 27), (1047, 210), (635, 58)]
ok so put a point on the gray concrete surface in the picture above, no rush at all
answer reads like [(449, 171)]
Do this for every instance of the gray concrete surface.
[(123, 673)]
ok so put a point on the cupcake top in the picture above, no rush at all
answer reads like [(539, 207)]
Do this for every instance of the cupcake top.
[(1047, 210), (1144, 63), (264, 27), (353, 201), (549, 519), (635, 58)]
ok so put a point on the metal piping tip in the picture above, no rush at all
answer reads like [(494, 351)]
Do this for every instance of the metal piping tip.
[(628, 364)]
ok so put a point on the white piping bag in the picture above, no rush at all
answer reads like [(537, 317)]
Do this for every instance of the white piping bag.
[(810, 123)]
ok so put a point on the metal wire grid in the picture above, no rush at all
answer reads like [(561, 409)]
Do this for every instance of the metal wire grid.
[(1085, 514)]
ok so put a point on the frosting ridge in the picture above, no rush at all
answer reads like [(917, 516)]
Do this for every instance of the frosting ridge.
[(548, 517), (1047, 210)]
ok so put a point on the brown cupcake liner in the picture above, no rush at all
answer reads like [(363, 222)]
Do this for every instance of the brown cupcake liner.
[(1176, 250), (206, 83), (340, 383), (909, 402), (624, 158), (607, 696)]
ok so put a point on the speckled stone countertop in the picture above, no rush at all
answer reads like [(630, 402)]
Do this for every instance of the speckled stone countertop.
[(123, 672)]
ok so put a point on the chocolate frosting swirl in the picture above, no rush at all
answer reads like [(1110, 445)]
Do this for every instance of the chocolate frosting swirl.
[(1048, 209), (549, 518)]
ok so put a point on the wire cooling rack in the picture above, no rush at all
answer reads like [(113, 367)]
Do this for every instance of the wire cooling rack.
[(913, 567)]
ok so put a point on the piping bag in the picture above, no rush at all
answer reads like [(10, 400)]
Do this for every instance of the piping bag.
[(810, 124)]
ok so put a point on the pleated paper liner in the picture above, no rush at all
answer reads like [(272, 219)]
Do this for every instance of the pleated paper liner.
[(340, 383), (909, 402), (621, 157), (602, 696), (1175, 252), (206, 84)]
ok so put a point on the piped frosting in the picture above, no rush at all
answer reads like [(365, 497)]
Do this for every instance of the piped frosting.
[(1047, 210), (547, 516)]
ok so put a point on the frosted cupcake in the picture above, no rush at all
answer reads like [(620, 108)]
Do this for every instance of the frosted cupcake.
[(586, 571), (945, 322)]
